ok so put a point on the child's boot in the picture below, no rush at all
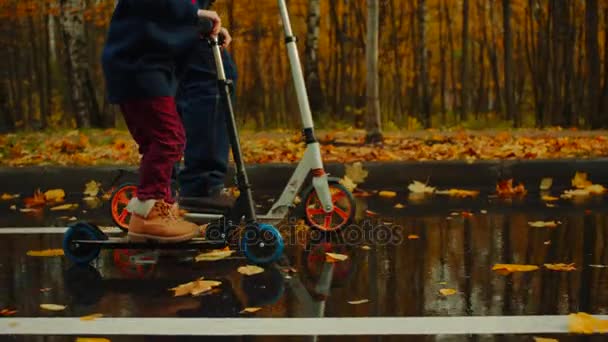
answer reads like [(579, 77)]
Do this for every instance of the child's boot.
[(158, 221)]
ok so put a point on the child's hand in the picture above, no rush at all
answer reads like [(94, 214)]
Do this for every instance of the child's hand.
[(212, 15), (227, 38)]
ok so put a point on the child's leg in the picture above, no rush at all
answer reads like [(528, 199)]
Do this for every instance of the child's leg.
[(158, 130)]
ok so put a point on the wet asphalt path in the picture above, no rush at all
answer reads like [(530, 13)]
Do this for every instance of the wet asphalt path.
[(431, 244)]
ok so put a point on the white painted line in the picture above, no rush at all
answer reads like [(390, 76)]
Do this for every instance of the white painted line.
[(47, 230), (289, 326)]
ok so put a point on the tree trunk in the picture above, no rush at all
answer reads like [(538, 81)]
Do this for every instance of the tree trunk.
[(604, 102), (73, 30), (508, 55), (464, 74), (442, 66), (592, 104), (423, 72), (374, 124), (311, 67)]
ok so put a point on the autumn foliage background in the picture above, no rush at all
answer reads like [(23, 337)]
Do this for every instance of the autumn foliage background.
[(474, 63)]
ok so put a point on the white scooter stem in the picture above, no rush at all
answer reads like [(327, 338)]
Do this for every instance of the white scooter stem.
[(312, 157)]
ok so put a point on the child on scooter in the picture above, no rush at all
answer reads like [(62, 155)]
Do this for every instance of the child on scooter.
[(147, 43)]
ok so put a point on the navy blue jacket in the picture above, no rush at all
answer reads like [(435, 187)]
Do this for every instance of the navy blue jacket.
[(146, 43)]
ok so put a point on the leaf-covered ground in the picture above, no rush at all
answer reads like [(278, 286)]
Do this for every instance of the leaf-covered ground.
[(115, 147)]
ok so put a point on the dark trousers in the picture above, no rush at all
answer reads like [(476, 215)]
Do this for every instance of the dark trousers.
[(204, 116), (157, 128)]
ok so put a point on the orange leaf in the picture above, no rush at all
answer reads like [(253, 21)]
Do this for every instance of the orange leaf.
[(334, 257), (387, 194), (505, 189), (580, 180), (448, 292), (46, 253), (36, 200), (561, 267), (506, 269), (583, 323), (413, 237)]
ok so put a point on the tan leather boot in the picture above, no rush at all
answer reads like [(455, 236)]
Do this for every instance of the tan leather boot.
[(156, 220)]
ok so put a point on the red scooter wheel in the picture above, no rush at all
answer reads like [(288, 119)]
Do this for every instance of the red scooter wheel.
[(342, 214), (118, 205)]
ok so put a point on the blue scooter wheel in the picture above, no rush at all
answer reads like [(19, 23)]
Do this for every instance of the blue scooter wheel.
[(81, 254), (262, 244)]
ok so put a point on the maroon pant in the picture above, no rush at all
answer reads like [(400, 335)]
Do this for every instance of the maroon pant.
[(157, 128)]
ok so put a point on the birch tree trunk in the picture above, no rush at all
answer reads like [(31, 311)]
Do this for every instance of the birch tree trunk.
[(374, 130), (311, 66)]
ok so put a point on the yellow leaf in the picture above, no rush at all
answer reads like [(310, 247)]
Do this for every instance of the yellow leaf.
[(545, 184), (505, 269), (543, 224), (55, 195), (366, 247), (448, 292), (251, 310), (548, 198), (348, 183), (544, 339), (195, 287), (580, 180), (91, 189), (250, 270), (46, 253), (413, 237), (357, 302), (356, 173), (52, 307), (334, 257), (91, 317), (561, 267), (583, 323), (420, 188), (91, 339), (6, 197), (216, 254), (459, 193), (399, 206), (387, 194), (67, 206), (596, 189)]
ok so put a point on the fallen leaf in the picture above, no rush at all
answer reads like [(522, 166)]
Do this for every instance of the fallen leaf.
[(92, 202), (251, 310), (546, 183), (459, 193), (195, 287), (348, 184), (483, 211), (583, 323), (52, 307), (250, 270), (544, 339), (467, 214), (91, 317), (91, 189), (371, 213), (13, 207), (91, 339), (36, 200), (46, 253), (356, 173), (580, 180), (420, 188), (216, 254), (561, 267), (335, 257), (387, 194), (505, 269), (357, 302), (596, 189), (448, 292), (399, 206), (67, 206), (549, 205), (505, 189), (548, 198), (7, 312), (366, 247), (413, 237), (7, 197), (547, 243), (575, 193), (54, 195), (543, 224)]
